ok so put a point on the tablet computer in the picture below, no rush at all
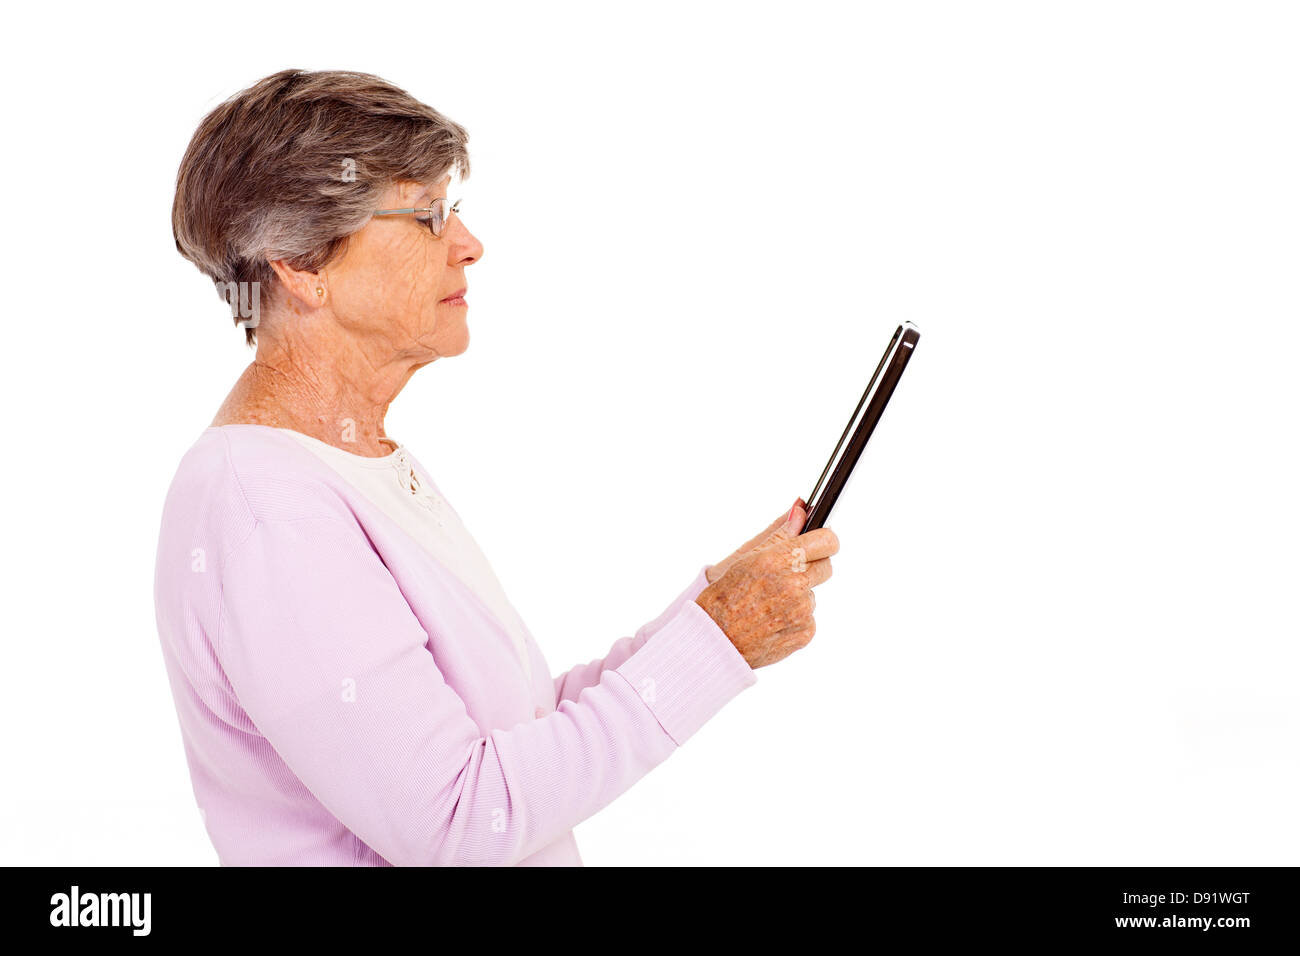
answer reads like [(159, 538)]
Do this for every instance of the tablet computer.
[(835, 476)]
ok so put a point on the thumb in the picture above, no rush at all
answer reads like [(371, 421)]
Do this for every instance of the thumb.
[(766, 535), (796, 519)]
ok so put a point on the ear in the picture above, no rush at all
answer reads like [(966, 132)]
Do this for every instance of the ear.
[(300, 285)]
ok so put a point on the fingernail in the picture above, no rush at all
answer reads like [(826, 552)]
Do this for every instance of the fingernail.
[(792, 523)]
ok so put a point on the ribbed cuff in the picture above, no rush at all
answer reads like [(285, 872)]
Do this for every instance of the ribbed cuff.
[(686, 671)]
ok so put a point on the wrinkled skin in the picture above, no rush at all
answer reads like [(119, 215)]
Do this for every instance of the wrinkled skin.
[(761, 595), (334, 347)]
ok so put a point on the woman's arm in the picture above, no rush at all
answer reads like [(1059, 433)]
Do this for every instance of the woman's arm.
[(331, 666), (572, 682)]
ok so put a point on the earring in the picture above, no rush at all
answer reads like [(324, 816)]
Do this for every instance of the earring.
[(320, 291)]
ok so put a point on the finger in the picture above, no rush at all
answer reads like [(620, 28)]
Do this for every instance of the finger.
[(814, 572), (818, 571), (777, 528), (762, 537), (798, 552), (799, 515), (817, 544)]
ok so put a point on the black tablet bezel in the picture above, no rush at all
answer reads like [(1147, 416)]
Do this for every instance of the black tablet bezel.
[(861, 424)]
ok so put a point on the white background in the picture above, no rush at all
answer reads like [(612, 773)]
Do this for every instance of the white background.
[(1062, 625)]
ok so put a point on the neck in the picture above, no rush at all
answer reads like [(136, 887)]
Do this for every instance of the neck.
[(338, 395)]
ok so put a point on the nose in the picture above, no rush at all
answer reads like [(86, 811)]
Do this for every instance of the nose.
[(464, 248)]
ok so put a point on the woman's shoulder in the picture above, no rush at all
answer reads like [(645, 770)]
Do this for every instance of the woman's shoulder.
[(244, 490), (240, 475)]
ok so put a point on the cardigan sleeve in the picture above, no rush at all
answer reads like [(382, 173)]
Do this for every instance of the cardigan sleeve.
[(572, 682), (332, 668)]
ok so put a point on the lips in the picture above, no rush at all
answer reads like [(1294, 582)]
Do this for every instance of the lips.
[(456, 295)]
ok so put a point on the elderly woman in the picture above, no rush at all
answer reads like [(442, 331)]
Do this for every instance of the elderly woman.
[(353, 686)]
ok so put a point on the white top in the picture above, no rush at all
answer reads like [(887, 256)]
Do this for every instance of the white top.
[(392, 484)]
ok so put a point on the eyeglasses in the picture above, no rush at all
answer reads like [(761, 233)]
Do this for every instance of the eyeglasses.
[(435, 215)]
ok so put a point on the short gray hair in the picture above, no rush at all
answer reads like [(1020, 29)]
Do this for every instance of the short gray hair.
[(293, 165)]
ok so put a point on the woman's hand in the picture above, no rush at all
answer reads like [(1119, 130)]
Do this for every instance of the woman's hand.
[(796, 513), (763, 600)]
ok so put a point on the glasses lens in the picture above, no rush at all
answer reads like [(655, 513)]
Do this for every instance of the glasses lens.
[(438, 218), (442, 210)]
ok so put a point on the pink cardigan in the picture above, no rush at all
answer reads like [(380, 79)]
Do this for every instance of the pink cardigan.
[(345, 700)]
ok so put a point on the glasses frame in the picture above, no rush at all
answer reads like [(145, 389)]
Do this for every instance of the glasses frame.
[(455, 207)]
